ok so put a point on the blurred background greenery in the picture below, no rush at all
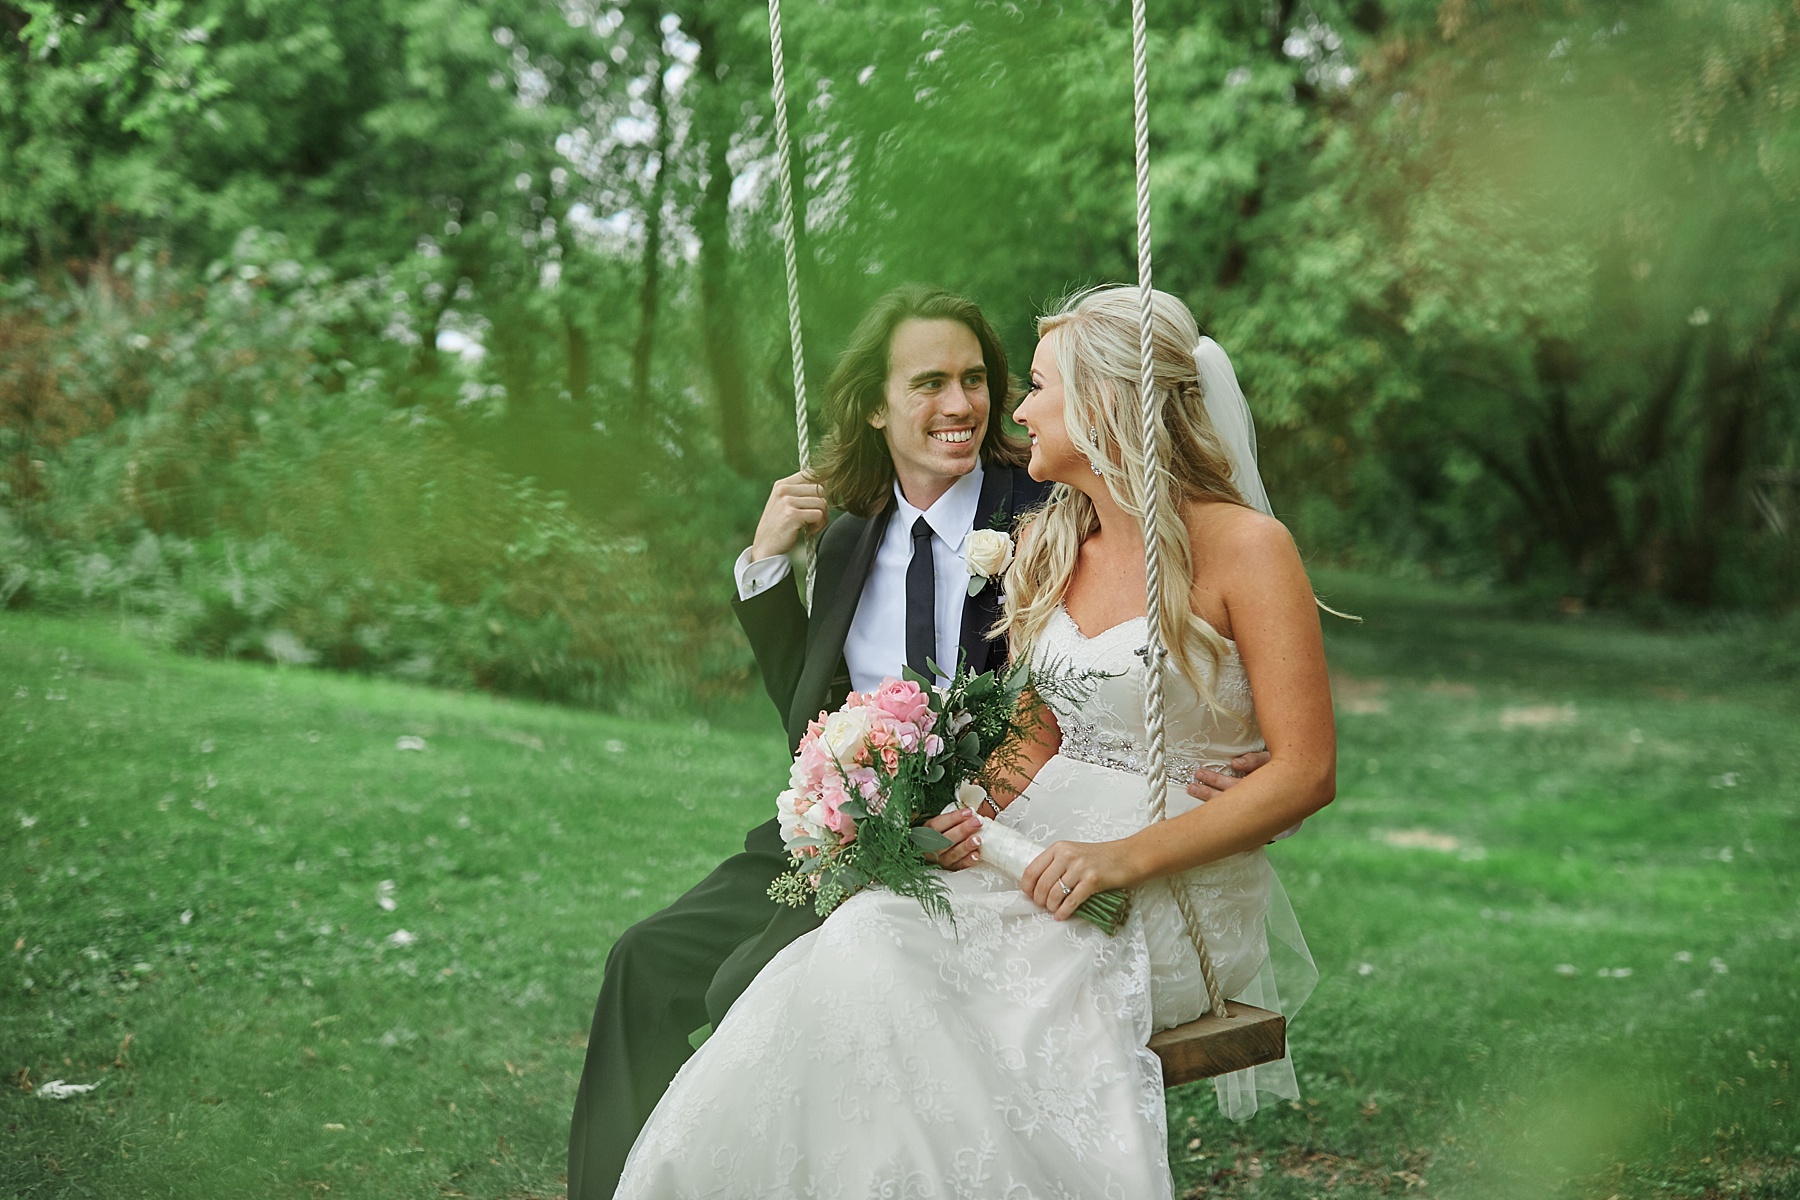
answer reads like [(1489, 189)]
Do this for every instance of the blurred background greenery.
[(445, 338)]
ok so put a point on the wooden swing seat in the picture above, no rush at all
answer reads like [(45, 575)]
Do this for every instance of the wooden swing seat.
[(1218, 1045)]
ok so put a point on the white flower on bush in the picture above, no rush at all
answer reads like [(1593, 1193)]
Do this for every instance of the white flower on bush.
[(844, 733), (988, 552)]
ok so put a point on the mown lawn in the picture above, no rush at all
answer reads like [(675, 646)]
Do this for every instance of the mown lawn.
[(1554, 910)]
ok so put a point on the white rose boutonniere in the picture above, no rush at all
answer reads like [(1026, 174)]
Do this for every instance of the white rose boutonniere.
[(988, 553)]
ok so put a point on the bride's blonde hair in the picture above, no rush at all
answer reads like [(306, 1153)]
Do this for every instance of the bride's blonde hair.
[(1096, 349)]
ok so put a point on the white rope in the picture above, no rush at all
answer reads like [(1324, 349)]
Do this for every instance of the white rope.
[(1154, 495), (790, 252)]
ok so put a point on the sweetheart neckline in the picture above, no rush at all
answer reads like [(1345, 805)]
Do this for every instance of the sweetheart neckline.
[(1064, 610)]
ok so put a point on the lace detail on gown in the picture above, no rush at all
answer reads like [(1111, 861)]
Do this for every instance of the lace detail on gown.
[(1002, 1055)]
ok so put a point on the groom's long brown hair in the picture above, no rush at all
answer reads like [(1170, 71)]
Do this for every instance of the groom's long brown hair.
[(852, 463)]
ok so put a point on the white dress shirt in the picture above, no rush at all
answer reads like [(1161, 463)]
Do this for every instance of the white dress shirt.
[(876, 646)]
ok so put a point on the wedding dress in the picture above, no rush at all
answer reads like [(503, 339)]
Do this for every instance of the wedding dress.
[(892, 1054)]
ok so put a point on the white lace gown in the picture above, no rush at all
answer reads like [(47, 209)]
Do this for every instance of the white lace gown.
[(890, 1054)]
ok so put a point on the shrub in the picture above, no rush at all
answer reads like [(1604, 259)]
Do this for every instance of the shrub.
[(226, 464)]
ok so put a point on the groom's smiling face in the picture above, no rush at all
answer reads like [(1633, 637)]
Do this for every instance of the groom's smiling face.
[(937, 406)]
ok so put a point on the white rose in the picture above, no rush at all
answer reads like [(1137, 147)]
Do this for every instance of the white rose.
[(844, 734), (812, 825), (795, 824), (988, 552), (790, 819)]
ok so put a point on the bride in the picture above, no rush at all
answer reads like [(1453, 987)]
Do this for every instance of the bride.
[(1004, 1055)]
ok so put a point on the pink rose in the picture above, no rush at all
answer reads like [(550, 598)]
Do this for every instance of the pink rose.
[(865, 781), (811, 765), (902, 700), (832, 798)]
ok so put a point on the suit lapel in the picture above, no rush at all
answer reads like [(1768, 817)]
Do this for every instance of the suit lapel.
[(837, 590), (981, 610)]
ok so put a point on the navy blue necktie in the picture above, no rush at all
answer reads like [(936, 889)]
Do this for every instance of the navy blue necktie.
[(921, 602)]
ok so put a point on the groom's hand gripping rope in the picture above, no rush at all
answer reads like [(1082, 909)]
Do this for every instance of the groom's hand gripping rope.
[(796, 503)]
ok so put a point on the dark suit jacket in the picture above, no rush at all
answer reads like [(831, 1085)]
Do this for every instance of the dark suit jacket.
[(802, 660), (803, 668)]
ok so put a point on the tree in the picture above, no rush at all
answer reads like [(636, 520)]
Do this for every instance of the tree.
[(1594, 283)]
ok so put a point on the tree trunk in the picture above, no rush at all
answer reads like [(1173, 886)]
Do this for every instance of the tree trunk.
[(1569, 467), (426, 361), (1723, 457), (644, 347), (1237, 252), (580, 370), (713, 224), (1278, 15), (1735, 397), (1649, 551)]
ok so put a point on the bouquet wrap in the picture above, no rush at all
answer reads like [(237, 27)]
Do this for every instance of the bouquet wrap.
[(1010, 852), (1006, 849)]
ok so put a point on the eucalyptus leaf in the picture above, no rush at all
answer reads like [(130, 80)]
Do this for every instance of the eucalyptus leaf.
[(927, 839)]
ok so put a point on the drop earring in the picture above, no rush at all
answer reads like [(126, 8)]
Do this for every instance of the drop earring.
[(1094, 437)]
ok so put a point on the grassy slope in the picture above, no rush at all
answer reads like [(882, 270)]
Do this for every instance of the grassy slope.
[(271, 806), (1442, 1047)]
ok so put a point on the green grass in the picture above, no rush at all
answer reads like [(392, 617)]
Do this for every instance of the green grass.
[(1515, 795), (202, 874)]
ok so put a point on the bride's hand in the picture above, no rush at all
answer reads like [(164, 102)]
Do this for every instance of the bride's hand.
[(1068, 873), (963, 828)]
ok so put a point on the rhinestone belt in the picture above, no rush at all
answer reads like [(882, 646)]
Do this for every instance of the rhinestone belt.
[(1086, 743)]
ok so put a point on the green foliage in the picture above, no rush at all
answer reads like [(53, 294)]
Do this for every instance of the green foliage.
[(1579, 261), (355, 128), (1512, 290), (251, 492), (414, 334)]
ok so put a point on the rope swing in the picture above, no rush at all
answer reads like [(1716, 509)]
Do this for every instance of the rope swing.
[(1158, 475), (1227, 1038), (790, 250), (790, 253)]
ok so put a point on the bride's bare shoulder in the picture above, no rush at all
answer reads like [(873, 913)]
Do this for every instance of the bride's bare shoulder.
[(1226, 536)]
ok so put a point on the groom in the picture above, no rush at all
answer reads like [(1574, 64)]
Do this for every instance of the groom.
[(917, 456)]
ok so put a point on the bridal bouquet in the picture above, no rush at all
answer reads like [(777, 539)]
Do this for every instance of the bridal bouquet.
[(866, 775)]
